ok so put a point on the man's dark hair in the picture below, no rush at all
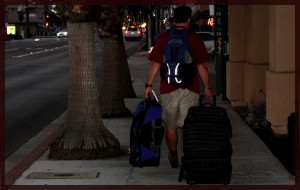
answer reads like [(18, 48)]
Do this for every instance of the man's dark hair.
[(182, 13)]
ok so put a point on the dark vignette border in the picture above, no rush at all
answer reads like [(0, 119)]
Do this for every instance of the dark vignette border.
[(146, 187), (2, 96)]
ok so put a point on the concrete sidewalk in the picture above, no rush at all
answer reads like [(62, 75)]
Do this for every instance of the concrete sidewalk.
[(253, 163)]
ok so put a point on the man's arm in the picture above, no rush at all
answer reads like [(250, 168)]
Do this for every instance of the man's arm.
[(152, 71), (204, 74)]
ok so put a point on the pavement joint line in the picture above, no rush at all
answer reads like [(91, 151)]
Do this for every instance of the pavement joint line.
[(34, 155), (63, 175)]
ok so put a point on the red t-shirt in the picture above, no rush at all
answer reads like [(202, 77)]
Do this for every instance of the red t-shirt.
[(198, 53)]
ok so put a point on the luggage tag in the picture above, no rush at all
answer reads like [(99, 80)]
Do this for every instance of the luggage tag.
[(152, 97)]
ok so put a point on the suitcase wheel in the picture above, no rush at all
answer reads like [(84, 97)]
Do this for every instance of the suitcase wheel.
[(190, 182), (225, 182)]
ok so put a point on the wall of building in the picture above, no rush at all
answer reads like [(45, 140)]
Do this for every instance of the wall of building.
[(261, 66), (280, 76), (36, 18), (235, 67), (257, 54)]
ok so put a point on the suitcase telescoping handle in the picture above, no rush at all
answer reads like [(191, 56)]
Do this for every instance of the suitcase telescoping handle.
[(208, 102)]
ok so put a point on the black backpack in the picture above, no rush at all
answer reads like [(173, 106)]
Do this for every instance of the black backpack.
[(177, 67)]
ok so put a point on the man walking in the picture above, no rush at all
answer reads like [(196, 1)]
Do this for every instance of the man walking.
[(177, 99)]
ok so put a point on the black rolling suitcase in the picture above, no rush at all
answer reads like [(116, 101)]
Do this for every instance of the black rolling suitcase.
[(207, 148), (146, 135)]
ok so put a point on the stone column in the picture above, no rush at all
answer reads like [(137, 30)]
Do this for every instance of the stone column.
[(280, 77), (237, 54), (248, 54), (257, 54)]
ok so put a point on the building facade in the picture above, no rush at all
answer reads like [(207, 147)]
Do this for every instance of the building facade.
[(41, 21), (15, 15), (261, 66)]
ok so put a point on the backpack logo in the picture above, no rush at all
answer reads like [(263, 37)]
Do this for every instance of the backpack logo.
[(177, 67)]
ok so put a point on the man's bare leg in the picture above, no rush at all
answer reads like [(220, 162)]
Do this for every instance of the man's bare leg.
[(172, 140)]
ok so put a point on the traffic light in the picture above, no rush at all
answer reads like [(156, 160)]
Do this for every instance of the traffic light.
[(47, 19), (21, 16)]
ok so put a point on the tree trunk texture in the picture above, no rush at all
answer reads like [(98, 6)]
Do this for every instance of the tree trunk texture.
[(85, 136), (126, 82), (115, 78), (111, 95)]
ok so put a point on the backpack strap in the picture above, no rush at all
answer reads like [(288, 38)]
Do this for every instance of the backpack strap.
[(172, 33), (185, 40)]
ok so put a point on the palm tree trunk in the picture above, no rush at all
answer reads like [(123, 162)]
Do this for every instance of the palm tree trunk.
[(85, 136), (115, 79), (126, 82), (110, 83)]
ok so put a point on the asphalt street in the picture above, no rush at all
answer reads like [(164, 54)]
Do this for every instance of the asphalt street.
[(36, 85)]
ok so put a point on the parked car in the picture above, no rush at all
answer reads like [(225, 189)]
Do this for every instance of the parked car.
[(133, 31), (62, 33), (209, 41)]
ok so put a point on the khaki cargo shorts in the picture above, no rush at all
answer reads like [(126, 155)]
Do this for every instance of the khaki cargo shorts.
[(175, 106)]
